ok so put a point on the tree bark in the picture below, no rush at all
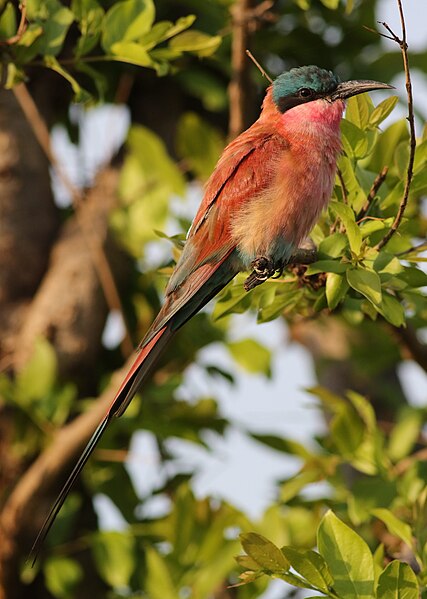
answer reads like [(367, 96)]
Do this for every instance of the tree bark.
[(69, 308)]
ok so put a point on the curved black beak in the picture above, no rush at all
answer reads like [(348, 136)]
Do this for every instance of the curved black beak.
[(346, 89)]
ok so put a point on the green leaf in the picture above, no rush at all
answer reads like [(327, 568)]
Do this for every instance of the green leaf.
[(413, 276), (148, 180), (196, 42), (333, 246), (395, 526), (368, 493), (127, 21), (401, 158), (38, 376), (392, 310), (247, 562), (348, 557), (348, 175), (291, 487), (264, 552), (234, 301), (159, 581), (358, 110), (346, 215), (251, 355), (397, 581), (89, 15), (62, 575), (354, 140), (311, 566), (382, 111), (326, 266), (165, 30), (55, 20), (347, 430), (336, 289), (199, 144), (382, 154), (132, 53), (332, 4), (114, 555), (7, 22), (366, 282), (405, 433)]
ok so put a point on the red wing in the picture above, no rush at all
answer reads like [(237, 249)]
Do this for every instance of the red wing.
[(244, 169)]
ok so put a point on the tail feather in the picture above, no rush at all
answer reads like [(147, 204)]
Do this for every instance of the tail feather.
[(147, 357), (201, 287), (139, 370), (38, 543)]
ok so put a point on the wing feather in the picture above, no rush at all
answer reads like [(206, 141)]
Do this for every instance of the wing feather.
[(245, 169)]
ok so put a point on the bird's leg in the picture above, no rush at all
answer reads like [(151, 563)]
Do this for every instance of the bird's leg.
[(263, 269)]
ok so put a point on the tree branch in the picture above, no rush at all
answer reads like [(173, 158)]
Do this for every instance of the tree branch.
[(69, 308), (97, 255), (378, 181), (417, 351), (239, 88), (404, 49)]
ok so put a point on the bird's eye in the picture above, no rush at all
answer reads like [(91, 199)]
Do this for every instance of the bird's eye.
[(305, 92)]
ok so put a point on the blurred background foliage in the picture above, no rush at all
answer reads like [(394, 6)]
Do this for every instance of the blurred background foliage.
[(178, 70)]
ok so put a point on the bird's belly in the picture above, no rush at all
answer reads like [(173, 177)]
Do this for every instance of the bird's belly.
[(273, 223)]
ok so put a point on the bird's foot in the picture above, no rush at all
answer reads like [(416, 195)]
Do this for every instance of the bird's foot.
[(263, 269)]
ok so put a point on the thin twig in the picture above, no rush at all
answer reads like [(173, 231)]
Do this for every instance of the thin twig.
[(409, 174), (99, 258), (21, 27), (378, 181), (387, 37), (415, 248), (343, 187), (259, 67)]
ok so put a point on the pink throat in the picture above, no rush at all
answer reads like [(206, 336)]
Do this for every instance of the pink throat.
[(313, 118)]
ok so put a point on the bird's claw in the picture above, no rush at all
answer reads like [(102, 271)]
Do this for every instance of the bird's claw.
[(263, 269)]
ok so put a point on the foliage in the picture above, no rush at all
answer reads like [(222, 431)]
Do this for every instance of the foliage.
[(385, 507), (126, 32)]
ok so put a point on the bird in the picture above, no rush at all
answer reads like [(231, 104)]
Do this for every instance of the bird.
[(265, 194)]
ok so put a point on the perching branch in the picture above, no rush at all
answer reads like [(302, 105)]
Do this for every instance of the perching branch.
[(98, 256), (409, 173)]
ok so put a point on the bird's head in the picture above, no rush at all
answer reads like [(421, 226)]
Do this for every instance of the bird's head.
[(305, 84)]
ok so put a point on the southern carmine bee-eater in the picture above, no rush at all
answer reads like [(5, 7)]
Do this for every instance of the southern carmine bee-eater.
[(263, 198)]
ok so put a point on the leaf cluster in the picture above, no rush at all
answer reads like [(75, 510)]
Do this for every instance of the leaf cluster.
[(79, 34)]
